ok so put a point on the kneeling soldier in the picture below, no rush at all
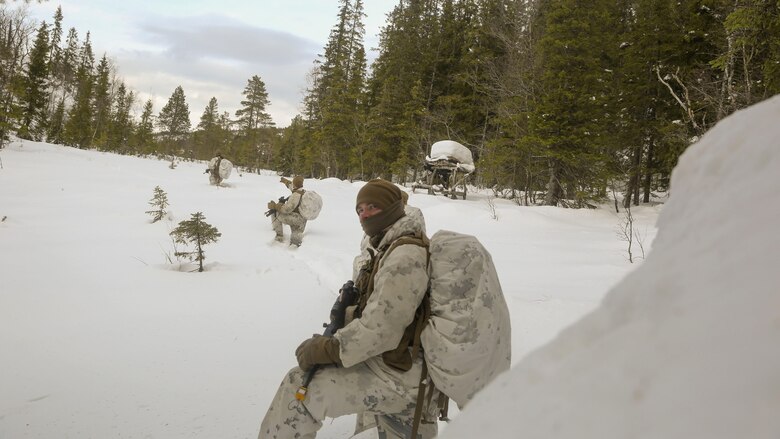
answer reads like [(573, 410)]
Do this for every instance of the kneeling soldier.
[(375, 364), (287, 213)]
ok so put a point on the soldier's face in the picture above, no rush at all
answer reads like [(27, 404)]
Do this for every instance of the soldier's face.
[(367, 210)]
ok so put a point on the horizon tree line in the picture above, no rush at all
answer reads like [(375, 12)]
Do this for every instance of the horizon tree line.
[(54, 90), (560, 103)]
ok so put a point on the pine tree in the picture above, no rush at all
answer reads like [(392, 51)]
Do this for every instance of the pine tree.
[(509, 161), (209, 137), (120, 123), (569, 119), (645, 129), (198, 232), (402, 87), (66, 70), (159, 204), (14, 29), (335, 102), (254, 125), (101, 99), (174, 118), (78, 127), (355, 97), (473, 63), (252, 115), (55, 38), (57, 124), (36, 93), (288, 153), (55, 59), (771, 67), (143, 138), (210, 117)]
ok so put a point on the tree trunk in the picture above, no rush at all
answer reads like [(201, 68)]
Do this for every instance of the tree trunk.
[(649, 168), (554, 188), (632, 187)]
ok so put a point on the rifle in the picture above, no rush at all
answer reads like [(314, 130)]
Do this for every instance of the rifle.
[(348, 295), (282, 200)]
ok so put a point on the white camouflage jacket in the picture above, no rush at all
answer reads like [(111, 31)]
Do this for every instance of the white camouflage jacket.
[(400, 283), (291, 204)]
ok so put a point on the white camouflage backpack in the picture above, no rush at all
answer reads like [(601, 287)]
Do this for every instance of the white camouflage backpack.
[(225, 167), (467, 341), (464, 329), (466, 334), (310, 205)]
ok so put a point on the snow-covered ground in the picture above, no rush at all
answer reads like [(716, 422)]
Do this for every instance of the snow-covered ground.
[(102, 337)]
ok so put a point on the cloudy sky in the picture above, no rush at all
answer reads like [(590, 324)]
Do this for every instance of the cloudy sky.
[(211, 48)]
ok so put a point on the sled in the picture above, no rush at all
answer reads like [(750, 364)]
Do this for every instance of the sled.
[(447, 170)]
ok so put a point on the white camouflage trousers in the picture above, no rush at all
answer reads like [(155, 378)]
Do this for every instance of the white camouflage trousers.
[(337, 392), (297, 225)]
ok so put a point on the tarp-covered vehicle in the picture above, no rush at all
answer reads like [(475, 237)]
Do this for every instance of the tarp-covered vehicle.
[(447, 169)]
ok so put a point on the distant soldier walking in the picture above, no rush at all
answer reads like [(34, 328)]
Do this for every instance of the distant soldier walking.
[(218, 169)]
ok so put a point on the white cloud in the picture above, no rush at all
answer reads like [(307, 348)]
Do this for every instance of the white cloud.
[(211, 49)]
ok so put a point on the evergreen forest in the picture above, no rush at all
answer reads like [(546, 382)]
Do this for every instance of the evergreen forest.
[(561, 102)]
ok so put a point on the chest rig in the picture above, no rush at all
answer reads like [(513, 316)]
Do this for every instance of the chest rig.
[(408, 348)]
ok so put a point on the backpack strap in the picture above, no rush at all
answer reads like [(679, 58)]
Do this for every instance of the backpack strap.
[(421, 241), (420, 399), (423, 314), (300, 200), (421, 320), (442, 402), (424, 311), (444, 405)]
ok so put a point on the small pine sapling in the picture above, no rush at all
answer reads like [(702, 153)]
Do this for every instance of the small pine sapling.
[(195, 231), (159, 203)]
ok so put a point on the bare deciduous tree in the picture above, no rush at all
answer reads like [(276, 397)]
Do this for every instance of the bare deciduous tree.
[(628, 233)]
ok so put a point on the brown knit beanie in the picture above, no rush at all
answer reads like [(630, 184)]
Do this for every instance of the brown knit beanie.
[(380, 193), (297, 182), (385, 196)]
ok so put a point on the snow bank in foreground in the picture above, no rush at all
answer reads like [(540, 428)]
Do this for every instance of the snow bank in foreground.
[(686, 346)]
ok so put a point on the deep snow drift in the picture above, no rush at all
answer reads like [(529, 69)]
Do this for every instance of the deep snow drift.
[(686, 346)]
